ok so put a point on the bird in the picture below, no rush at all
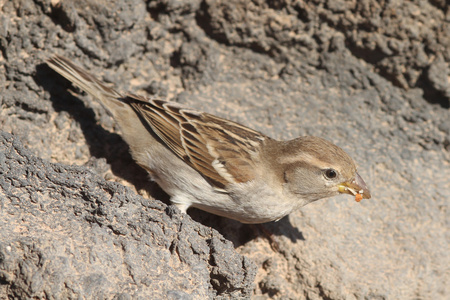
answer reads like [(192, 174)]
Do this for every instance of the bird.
[(201, 160)]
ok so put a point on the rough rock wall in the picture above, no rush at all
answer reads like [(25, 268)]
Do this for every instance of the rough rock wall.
[(66, 233), (371, 76)]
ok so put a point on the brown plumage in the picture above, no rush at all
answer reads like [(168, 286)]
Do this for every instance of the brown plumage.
[(218, 165)]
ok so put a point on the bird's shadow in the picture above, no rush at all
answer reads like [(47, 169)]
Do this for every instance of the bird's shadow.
[(102, 143), (240, 234), (111, 146)]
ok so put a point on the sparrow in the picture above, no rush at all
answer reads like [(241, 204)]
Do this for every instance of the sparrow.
[(220, 166)]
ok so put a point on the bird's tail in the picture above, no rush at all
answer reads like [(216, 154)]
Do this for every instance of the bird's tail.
[(84, 80)]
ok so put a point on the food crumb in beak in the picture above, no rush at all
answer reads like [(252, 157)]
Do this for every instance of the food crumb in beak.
[(358, 197)]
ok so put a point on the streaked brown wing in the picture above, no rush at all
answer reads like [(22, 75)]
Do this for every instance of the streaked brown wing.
[(163, 120), (234, 146), (222, 151)]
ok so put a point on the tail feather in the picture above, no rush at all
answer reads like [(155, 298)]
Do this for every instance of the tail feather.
[(83, 79)]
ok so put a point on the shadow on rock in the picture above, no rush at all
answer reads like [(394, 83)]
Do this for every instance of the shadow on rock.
[(101, 143), (241, 234)]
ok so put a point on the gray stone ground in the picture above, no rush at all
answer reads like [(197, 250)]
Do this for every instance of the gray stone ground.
[(371, 76)]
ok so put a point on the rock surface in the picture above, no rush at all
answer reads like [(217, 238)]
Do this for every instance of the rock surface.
[(371, 76), (67, 233)]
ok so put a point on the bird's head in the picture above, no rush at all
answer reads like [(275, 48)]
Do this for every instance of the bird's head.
[(313, 168)]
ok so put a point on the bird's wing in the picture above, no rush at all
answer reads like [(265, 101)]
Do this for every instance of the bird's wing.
[(223, 151)]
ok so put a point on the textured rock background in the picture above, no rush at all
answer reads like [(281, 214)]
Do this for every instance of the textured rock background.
[(371, 76), (67, 233)]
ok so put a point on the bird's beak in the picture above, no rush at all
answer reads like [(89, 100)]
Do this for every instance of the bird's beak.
[(357, 187)]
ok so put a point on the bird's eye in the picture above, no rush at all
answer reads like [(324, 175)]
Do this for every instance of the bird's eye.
[(330, 173)]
